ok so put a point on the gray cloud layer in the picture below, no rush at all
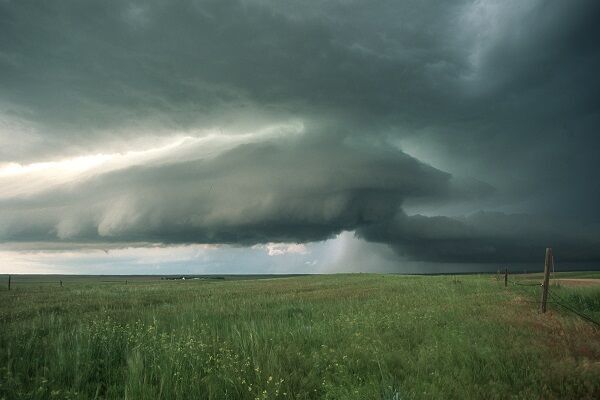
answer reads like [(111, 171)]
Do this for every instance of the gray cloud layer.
[(293, 190), (496, 103), (486, 237)]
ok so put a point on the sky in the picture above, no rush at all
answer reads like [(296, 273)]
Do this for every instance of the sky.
[(276, 136)]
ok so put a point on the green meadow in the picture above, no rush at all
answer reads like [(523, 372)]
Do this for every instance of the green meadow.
[(361, 336)]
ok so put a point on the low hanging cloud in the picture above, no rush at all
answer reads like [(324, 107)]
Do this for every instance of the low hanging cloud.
[(293, 189), (485, 237), (459, 131)]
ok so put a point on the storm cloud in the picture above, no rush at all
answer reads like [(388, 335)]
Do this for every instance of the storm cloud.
[(462, 131), (291, 189)]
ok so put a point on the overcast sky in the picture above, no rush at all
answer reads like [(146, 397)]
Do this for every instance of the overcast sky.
[(282, 136)]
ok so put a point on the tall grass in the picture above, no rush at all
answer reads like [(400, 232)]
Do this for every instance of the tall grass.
[(325, 337)]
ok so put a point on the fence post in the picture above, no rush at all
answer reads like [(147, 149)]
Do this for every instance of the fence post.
[(506, 277), (9, 282), (547, 262), (61, 283)]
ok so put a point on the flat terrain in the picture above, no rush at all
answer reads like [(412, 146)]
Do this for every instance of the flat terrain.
[(359, 336), (577, 282)]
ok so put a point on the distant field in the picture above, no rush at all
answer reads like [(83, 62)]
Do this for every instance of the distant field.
[(361, 336), (37, 280)]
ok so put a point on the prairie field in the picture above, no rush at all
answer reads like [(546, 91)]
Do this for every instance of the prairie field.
[(359, 336)]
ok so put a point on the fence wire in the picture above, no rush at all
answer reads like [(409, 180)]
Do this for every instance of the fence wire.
[(559, 301)]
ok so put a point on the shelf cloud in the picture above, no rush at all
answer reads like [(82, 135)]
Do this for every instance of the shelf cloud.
[(457, 132)]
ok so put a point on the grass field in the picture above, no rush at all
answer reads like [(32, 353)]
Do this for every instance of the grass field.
[(357, 336)]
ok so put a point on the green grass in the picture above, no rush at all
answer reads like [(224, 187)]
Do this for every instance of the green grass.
[(564, 275), (313, 337)]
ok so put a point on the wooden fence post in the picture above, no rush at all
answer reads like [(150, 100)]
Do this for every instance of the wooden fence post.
[(9, 282), (547, 262), (506, 277), (61, 284)]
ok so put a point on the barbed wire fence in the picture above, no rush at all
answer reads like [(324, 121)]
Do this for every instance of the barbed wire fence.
[(556, 298)]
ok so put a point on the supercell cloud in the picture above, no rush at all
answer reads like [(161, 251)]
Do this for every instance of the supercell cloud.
[(462, 131)]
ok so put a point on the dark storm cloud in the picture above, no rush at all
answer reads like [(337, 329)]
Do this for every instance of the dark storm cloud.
[(93, 65), (293, 190), (486, 237), (302, 188), (78, 68), (501, 97)]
